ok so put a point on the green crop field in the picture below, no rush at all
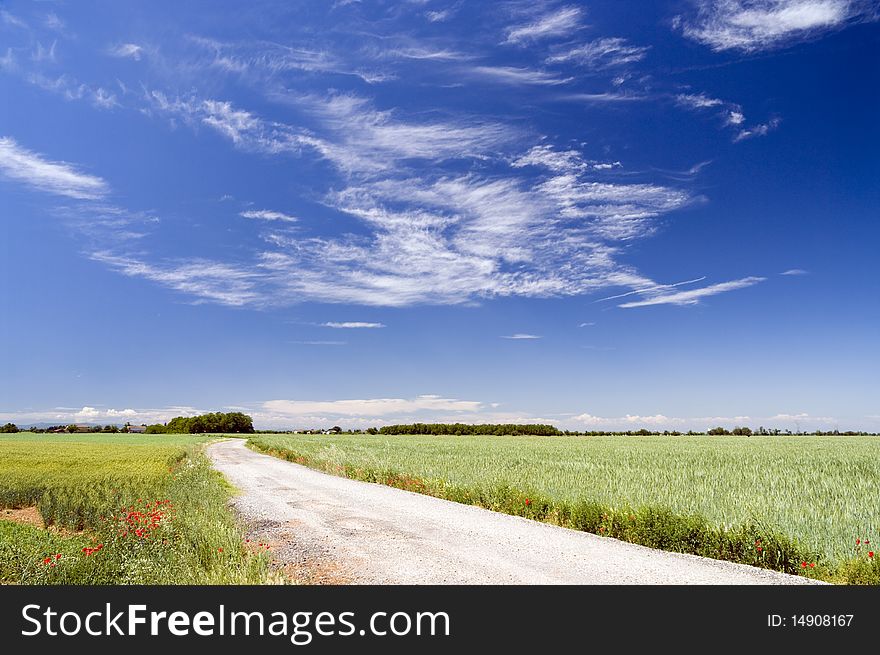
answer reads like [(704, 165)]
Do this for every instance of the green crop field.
[(787, 503), (117, 509)]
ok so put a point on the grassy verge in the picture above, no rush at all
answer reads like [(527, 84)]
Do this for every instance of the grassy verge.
[(162, 519), (748, 542)]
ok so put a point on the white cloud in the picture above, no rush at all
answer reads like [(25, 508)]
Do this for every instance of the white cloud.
[(762, 129), (23, 165), (356, 137), (352, 325), (693, 296), (735, 118), (104, 99), (752, 25), (520, 336), (442, 240), (53, 22), (605, 98), (653, 289), (261, 62), (697, 100), (516, 76), (732, 115), (426, 54), (218, 282), (588, 324), (10, 19), (439, 16), (795, 271), (629, 420), (44, 54), (268, 215), (7, 61), (559, 23), (126, 50), (98, 415), (559, 161), (373, 407), (602, 53), (659, 422)]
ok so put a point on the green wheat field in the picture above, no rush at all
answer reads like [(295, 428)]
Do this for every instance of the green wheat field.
[(823, 493), (118, 509)]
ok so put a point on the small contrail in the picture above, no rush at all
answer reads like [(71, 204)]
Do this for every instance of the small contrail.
[(655, 288)]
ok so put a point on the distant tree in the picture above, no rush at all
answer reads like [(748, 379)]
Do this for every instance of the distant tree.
[(212, 422), (9, 428), (372, 431), (468, 429), (717, 431), (155, 428)]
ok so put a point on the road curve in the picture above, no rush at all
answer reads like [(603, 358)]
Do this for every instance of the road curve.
[(327, 529)]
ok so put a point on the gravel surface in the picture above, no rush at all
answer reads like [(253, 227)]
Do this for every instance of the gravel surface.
[(329, 530)]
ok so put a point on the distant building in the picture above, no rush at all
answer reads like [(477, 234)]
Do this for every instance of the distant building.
[(83, 427), (137, 428)]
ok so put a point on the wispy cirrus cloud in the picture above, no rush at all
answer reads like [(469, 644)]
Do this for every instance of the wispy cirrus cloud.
[(753, 25), (60, 178), (520, 336), (355, 136), (268, 215), (697, 101), (561, 161), (656, 288), (207, 280), (349, 325), (126, 51), (601, 53), (516, 76), (694, 296), (731, 115), (13, 20), (795, 271), (762, 129), (559, 23)]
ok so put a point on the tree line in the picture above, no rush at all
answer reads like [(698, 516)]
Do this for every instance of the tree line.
[(496, 429), (234, 422)]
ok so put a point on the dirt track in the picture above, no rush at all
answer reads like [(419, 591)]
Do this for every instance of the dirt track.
[(326, 529)]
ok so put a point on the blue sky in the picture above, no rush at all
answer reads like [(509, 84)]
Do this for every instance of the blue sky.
[(598, 214)]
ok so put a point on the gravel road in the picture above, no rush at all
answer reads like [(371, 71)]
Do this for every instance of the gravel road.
[(328, 530)]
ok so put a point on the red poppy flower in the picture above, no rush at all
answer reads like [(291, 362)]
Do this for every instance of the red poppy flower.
[(219, 550), (803, 565), (812, 565), (858, 542), (58, 556), (528, 502), (47, 560), (871, 553), (760, 549)]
